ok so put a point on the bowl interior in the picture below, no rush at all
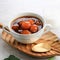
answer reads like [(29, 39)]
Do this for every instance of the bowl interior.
[(25, 14)]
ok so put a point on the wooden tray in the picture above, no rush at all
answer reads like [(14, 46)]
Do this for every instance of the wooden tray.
[(26, 48)]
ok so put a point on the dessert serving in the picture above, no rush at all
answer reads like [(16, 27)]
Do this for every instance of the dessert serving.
[(27, 33), (27, 25)]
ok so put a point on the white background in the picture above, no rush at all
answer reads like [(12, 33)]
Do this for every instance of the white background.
[(48, 9)]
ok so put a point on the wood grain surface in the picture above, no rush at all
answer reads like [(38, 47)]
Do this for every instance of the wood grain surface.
[(26, 48)]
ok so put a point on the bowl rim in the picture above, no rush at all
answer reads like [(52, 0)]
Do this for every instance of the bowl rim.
[(25, 14)]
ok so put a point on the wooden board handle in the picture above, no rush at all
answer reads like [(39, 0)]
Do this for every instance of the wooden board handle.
[(1, 25)]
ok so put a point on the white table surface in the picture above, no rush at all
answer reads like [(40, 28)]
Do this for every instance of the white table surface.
[(48, 9)]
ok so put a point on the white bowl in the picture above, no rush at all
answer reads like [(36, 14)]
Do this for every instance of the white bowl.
[(28, 38)]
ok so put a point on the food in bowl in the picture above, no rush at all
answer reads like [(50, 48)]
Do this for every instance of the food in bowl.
[(26, 25)]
